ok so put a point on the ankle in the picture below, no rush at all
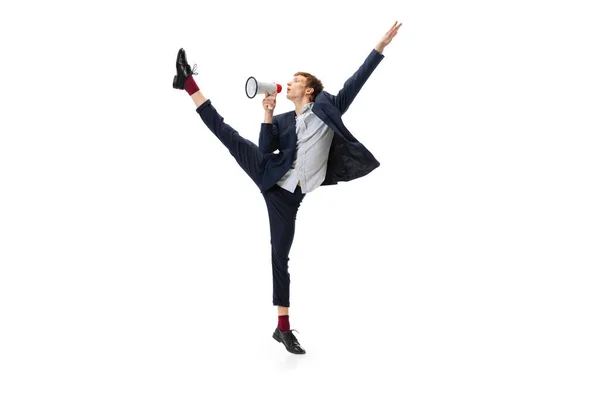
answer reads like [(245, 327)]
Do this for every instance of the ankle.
[(190, 85), (284, 323)]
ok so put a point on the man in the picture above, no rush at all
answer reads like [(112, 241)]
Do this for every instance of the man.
[(315, 148)]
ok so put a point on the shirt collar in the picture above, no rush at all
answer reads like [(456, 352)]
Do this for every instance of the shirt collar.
[(306, 108)]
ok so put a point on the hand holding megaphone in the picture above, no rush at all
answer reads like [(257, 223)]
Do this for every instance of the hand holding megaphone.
[(253, 87), (270, 101)]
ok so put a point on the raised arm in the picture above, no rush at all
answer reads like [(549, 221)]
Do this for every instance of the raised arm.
[(352, 86)]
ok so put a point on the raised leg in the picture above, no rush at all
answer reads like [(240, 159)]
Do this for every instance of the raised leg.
[(246, 153)]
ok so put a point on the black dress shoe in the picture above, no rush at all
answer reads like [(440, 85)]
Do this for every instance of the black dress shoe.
[(183, 70), (289, 341)]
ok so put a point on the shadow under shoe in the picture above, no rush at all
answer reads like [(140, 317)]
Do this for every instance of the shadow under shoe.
[(289, 341), (183, 70)]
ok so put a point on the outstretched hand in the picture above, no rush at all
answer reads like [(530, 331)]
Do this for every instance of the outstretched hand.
[(387, 38)]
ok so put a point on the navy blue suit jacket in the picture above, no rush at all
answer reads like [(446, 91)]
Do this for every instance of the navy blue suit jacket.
[(348, 158)]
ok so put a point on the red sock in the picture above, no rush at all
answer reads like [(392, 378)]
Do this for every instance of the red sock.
[(284, 323), (190, 85)]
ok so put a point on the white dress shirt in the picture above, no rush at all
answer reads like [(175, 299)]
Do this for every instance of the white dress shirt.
[(312, 153)]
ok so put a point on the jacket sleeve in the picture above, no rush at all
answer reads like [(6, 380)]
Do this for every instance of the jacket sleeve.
[(268, 140), (346, 95)]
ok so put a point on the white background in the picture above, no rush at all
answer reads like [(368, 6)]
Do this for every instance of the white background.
[(135, 258)]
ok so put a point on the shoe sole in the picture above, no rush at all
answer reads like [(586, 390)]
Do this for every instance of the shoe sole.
[(177, 85)]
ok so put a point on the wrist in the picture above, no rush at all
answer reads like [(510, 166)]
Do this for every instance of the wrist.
[(379, 48)]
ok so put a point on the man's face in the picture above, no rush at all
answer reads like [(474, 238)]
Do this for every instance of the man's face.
[(296, 88)]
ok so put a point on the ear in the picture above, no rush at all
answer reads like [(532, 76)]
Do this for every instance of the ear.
[(310, 91)]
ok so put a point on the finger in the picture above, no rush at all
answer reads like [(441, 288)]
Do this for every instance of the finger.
[(392, 33)]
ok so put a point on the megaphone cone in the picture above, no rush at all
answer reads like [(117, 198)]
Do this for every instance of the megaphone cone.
[(253, 87)]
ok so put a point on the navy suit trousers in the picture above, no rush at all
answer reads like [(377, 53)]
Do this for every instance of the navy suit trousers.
[(282, 206)]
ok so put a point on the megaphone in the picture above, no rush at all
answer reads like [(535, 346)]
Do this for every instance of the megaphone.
[(253, 87)]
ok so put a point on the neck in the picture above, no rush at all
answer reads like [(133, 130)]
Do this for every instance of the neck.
[(300, 104)]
